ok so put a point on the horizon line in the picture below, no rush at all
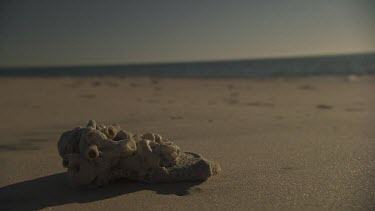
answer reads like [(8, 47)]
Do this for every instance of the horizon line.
[(188, 62)]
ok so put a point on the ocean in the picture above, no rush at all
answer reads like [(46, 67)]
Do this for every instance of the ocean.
[(257, 68)]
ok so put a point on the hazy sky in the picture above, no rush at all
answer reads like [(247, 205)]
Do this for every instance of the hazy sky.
[(71, 32)]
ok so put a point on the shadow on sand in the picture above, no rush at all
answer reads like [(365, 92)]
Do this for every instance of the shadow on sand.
[(53, 190)]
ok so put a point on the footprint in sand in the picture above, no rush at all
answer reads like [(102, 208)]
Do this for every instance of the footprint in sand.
[(176, 117), (324, 106), (96, 83), (107, 83), (154, 81), (230, 86), (232, 101)]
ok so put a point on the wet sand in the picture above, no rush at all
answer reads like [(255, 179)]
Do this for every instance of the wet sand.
[(303, 143)]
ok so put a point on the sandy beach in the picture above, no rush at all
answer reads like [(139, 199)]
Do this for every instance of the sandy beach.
[(283, 144)]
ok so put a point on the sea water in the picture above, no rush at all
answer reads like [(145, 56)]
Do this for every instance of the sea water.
[(260, 68)]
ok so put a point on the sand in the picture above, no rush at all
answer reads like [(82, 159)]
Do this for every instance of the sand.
[(283, 144)]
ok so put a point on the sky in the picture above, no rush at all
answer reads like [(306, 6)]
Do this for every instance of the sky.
[(90, 32)]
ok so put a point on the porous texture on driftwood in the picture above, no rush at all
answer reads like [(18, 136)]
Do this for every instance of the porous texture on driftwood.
[(97, 154)]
